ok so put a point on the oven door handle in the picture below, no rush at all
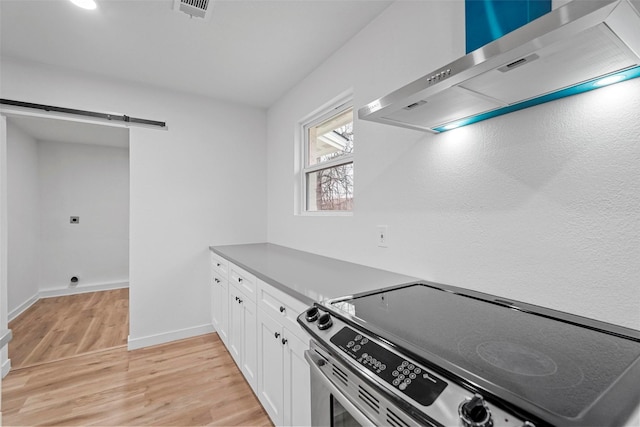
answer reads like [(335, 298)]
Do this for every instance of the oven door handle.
[(314, 363)]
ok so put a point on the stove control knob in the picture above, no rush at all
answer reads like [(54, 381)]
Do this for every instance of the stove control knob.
[(324, 322), (312, 314), (474, 412)]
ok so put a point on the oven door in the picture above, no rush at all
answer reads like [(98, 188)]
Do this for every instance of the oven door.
[(329, 406)]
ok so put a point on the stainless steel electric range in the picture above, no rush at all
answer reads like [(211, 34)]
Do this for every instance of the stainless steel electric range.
[(430, 354)]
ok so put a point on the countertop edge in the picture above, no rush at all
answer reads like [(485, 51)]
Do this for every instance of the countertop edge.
[(219, 251), (270, 281)]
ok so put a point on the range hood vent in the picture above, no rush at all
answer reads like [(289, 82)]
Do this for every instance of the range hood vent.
[(197, 8), (578, 47)]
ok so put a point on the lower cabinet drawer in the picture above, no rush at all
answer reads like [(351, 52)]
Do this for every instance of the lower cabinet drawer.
[(279, 305), (219, 265), (244, 280)]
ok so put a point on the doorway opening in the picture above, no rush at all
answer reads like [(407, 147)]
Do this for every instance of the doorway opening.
[(66, 235)]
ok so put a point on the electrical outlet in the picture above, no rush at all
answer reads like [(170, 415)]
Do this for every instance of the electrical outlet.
[(382, 235)]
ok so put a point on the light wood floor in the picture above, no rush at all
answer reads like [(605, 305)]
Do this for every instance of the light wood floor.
[(183, 383), (55, 328)]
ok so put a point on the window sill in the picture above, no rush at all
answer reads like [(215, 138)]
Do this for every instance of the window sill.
[(326, 213)]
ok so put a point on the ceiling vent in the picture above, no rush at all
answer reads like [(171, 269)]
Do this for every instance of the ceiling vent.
[(194, 8)]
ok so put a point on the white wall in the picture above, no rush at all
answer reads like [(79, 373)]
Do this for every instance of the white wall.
[(540, 205), (197, 184), (4, 314), (92, 182), (23, 208)]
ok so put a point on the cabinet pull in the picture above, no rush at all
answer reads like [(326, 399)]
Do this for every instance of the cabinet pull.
[(236, 298), (218, 264), (217, 280), (239, 279), (239, 301), (284, 341), (277, 335), (282, 309)]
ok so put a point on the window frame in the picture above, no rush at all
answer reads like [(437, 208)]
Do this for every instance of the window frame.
[(329, 110)]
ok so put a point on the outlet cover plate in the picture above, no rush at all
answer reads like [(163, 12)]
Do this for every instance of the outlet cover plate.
[(382, 235)]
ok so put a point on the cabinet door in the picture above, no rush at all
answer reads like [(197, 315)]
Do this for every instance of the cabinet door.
[(235, 325), (249, 341), (215, 295), (222, 308), (297, 382), (271, 367)]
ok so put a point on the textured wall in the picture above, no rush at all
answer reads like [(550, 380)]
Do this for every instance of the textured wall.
[(540, 205)]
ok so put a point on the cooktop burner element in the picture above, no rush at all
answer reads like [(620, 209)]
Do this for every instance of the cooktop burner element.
[(560, 367), (516, 358), (521, 364)]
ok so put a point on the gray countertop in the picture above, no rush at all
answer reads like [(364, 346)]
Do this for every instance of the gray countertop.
[(306, 276)]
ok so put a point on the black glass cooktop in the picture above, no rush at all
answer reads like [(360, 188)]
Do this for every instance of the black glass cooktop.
[(560, 367)]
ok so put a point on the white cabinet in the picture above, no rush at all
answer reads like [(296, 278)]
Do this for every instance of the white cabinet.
[(271, 367), (220, 307), (243, 334), (220, 297), (257, 323), (297, 383), (283, 372), (235, 325), (245, 281)]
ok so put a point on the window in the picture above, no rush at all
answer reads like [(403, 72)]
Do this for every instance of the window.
[(328, 160)]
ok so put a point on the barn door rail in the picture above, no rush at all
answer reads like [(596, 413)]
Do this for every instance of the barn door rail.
[(106, 116)]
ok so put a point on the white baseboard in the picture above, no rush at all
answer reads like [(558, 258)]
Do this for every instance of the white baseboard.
[(136, 343), (6, 367), (22, 307), (49, 293)]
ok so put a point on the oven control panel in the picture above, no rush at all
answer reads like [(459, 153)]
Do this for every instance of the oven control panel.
[(402, 374)]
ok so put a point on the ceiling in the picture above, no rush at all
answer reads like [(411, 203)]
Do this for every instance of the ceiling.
[(249, 51), (56, 130)]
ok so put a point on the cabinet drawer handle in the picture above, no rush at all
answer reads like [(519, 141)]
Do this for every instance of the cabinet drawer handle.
[(277, 334), (282, 309), (239, 301), (217, 280), (217, 264), (239, 279), (284, 341)]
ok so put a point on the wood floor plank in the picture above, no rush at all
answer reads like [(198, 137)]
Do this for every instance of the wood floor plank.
[(192, 382), (189, 382), (65, 326)]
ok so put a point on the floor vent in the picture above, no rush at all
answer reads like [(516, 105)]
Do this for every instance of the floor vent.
[(194, 8), (367, 398), (395, 420), (339, 374)]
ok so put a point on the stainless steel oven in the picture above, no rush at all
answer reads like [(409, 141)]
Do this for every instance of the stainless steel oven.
[(330, 406), (435, 355)]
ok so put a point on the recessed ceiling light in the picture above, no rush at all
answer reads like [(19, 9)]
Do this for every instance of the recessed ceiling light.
[(85, 4)]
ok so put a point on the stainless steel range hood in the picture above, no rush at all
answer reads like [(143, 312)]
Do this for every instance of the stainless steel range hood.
[(569, 50)]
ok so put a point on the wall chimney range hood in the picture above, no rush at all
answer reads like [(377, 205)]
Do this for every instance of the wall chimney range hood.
[(575, 48)]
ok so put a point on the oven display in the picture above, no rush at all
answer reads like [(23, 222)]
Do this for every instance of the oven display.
[(401, 374)]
